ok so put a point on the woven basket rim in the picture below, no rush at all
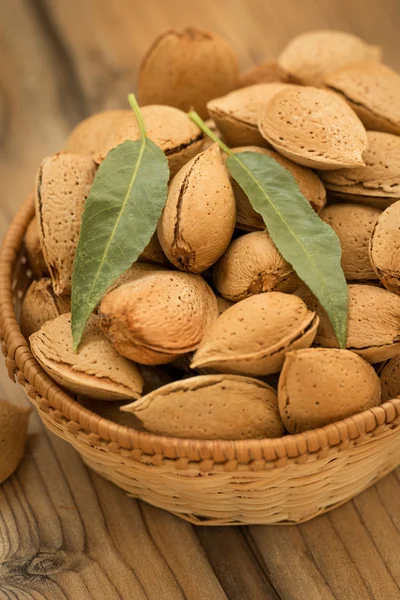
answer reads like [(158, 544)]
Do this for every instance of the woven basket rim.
[(16, 348)]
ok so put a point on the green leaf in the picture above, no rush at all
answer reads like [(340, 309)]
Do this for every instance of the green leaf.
[(304, 240), (120, 216)]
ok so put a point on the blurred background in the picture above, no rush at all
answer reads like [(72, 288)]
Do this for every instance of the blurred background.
[(61, 60)]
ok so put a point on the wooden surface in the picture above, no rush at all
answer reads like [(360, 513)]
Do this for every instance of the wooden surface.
[(65, 532)]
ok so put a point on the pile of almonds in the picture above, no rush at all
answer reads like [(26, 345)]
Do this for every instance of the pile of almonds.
[(211, 334)]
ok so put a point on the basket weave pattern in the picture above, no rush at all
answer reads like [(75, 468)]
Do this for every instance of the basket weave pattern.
[(285, 480)]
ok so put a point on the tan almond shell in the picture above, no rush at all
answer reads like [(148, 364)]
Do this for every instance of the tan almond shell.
[(372, 90), (374, 201), (390, 379), (158, 317), (265, 72), (40, 304), (236, 114), (154, 254), (223, 304), (199, 216), (92, 134), (169, 128), (314, 128), (186, 69), (385, 248), (34, 250), (251, 265), (252, 336), (310, 56), (373, 329), (225, 407), (379, 177), (13, 428), (63, 183), (353, 224), (96, 370), (318, 386), (309, 183)]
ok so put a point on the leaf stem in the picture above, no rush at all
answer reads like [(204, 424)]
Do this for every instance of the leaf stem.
[(136, 109), (200, 123)]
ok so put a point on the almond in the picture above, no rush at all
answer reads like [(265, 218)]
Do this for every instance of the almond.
[(33, 249), (252, 336), (309, 183), (13, 427), (187, 68), (353, 224), (135, 272), (319, 386), (153, 253), (199, 217), (265, 72), (40, 305), (314, 128), (390, 379), (310, 56), (378, 182), (96, 370), (373, 329), (63, 184), (385, 248), (236, 115), (224, 407), (158, 317), (92, 134), (372, 90), (251, 265)]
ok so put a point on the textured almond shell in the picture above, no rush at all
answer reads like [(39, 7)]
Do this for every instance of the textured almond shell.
[(135, 272), (373, 329), (385, 248), (319, 386), (157, 318), (62, 186), (96, 370), (252, 336), (390, 379), (34, 250), (373, 91), (92, 134), (251, 265), (224, 407), (265, 72), (199, 216), (353, 225), (310, 56), (314, 128), (153, 253), (13, 427), (236, 114), (40, 305), (187, 68), (169, 128), (381, 175), (309, 183)]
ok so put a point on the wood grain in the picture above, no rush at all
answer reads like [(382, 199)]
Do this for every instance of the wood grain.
[(64, 531)]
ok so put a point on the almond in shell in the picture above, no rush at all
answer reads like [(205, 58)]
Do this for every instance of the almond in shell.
[(385, 248), (378, 182), (225, 407), (373, 329), (265, 72), (158, 317), (353, 224), (251, 265), (318, 386), (187, 68), (40, 304), (62, 186), (96, 370), (252, 336), (390, 379), (372, 90), (314, 128), (33, 249), (309, 183), (13, 427), (310, 56), (91, 135), (199, 216)]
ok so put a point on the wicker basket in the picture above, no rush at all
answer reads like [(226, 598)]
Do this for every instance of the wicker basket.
[(286, 480)]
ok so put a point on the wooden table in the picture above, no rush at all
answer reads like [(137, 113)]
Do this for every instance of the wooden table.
[(64, 531)]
